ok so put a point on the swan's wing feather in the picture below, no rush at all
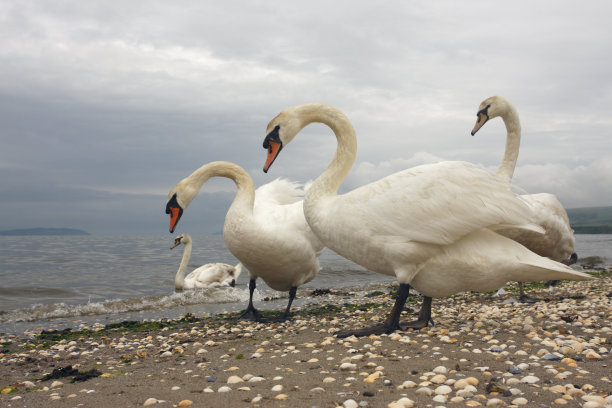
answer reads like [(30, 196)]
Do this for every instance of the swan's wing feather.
[(437, 203), (279, 191), (558, 241)]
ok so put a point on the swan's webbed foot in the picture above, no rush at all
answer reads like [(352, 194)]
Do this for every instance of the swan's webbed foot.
[(285, 315), (274, 319), (390, 325), (552, 283), (523, 298), (417, 324), (366, 331), (526, 299), (424, 317), (251, 314)]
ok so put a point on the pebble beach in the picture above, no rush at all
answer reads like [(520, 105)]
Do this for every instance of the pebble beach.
[(484, 350)]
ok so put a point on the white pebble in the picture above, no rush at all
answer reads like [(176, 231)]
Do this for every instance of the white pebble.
[(256, 379), (439, 398), (592, 404), (530, 379), (277, 388), (56, 384), (402, 403), (443, 390), (224, 389), (149, 402), (440, 370), (519, 401), (348, 367), (424, 391), (438, 379), (350, 403), (407, 384), (495, 402), (234, 379)]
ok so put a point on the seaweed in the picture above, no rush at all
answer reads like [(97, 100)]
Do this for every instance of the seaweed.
[(68, 371)]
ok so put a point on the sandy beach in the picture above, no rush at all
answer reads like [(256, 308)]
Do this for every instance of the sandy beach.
[(483, 351)]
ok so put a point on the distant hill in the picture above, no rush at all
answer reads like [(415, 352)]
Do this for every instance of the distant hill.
[(44, 231), (591, 220)]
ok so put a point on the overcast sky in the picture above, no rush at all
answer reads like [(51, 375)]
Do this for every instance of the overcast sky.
[(105, 106)]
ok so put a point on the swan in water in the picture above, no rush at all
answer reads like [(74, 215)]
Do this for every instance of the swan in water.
[(206, 276), (431, 226), (282, 250), (557, 242)]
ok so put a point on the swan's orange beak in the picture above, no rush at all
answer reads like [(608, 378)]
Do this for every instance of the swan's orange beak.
[(175, 211), (177, 242), (174, 218), (482, 118), (274, 145), (273, 151)]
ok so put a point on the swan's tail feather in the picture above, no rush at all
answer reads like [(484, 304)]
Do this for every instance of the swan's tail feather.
[(526, 227), (544, 269), (237, 270)]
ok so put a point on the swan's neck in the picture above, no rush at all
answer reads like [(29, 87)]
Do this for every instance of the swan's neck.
[(245, 191), (513, 141), (179, 279), (337, 170)]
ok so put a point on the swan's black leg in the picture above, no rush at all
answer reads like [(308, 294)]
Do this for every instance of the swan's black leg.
[(569, 261), (424, 316), (251, 313), (233, 283), (285, 315), (391, 324), (523, 297), (292, 293)]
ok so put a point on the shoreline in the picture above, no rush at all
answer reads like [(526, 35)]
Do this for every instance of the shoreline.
[(483, 351)]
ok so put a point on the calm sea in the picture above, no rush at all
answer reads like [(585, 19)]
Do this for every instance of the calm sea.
[(68, 281)]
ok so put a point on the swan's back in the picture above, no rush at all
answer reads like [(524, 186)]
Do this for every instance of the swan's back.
[(434, 204), (212, 274)]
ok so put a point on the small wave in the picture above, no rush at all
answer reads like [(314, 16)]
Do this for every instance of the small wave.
[(217, 295)]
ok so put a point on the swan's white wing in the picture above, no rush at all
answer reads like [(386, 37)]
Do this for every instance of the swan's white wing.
[(210, 274), (437, 203), (279, 191)]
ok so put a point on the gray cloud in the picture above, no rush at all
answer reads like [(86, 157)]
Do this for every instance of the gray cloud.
[(104, 108)]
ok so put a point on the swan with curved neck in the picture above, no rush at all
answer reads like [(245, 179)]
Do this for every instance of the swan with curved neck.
[(431, 226), (557, 242), (206, 276), (282, 250)]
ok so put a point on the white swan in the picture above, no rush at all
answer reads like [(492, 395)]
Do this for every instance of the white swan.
[(557, 242), (430, 226), (206, 276), (281, 249)]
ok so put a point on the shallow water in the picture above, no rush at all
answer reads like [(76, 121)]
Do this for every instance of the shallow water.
[(63, 281)]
